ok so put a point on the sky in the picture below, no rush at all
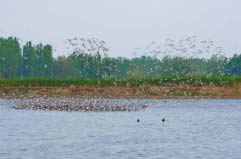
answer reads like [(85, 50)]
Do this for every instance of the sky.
[(123, 24)]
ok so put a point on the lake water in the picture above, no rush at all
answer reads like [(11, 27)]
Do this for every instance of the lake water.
[(193, 129)]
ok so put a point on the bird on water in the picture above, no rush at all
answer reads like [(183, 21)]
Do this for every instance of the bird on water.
[(163, 120), (138, 120)]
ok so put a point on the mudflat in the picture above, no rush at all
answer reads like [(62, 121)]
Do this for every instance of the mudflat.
[(128, 92)]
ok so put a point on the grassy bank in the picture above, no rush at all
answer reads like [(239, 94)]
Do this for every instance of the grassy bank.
[(190, 80)]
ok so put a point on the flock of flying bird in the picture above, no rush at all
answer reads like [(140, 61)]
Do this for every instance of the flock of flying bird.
[(86, 46), (191, 46)]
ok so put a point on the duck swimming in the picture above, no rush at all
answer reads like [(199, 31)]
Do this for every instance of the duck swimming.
[(163, 120)]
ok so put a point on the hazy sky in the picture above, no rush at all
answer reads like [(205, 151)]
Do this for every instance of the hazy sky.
[(124, 24)]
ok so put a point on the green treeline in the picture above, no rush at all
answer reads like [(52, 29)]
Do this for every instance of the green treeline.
[(37, 61), (29, 61), (190, 80)]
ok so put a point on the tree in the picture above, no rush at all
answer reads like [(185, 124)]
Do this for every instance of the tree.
[(39, 61), (44, 61), (233, 65), (216, 65), (64, 67), (10, 57), (177, 66), (29, 60), (47, 61)]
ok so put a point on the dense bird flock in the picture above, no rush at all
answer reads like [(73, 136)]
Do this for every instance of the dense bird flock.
[(77, 104)]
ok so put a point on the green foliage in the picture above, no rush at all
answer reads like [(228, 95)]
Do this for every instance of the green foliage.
[(233, 66), (28, 60), (191, 80), (64, 67), (31, 61), (37, 61), (10, 57), (44, 61), (216, 65), (47, 61)]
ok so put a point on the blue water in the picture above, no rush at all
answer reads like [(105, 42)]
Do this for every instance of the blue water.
[(193, 129)]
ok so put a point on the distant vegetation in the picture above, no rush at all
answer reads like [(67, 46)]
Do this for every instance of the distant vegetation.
[(38, 66), (191, 80)]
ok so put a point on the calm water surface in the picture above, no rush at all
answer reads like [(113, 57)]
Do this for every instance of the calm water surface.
[(193, 129)]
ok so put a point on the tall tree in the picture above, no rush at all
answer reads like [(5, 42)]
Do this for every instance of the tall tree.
[(29, 60), (233, 66), (216, 65), (47, 61), (10, 57), (64, 67), (44, 61), (39, 61)]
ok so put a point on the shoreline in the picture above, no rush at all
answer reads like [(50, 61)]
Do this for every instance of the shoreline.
[(124, 92)]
